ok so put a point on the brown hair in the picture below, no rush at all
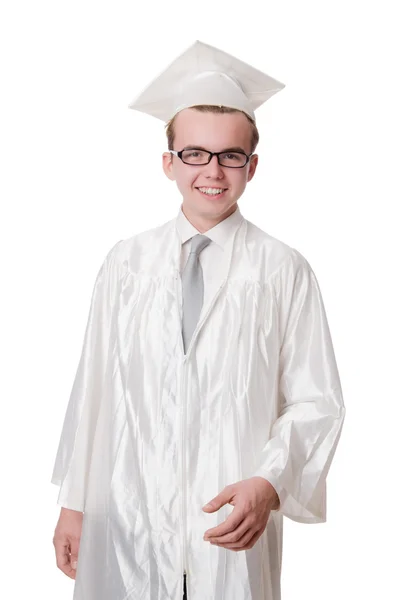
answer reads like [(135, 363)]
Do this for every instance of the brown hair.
[(170, 126)]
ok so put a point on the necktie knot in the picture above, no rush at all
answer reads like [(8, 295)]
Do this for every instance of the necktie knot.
[(199, 242)]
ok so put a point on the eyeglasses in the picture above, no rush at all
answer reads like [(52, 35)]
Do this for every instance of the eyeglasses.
[(195, 156)]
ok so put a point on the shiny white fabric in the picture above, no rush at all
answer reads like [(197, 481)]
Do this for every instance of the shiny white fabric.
[(151, 435)]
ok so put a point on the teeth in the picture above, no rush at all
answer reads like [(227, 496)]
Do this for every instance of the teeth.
[(212, 191)]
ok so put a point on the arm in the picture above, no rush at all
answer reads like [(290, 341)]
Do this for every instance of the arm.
[(72, 461), (297, 458)]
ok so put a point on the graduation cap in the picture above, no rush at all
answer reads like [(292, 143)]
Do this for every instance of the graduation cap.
[(204, 74)]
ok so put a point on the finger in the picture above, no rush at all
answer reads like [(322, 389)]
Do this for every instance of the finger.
[(234, 536), (62, 553), (241, 543), (233, 520), (246, 542), (240, 535), (222, 498), (74, 552)]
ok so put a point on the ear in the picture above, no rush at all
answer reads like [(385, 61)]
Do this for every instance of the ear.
[(168, 165), (252, 166)]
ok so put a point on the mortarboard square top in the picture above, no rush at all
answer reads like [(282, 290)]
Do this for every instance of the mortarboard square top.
[(204, 74)]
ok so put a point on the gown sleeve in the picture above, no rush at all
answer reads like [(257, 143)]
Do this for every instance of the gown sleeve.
[(304, 437), (72, 460)]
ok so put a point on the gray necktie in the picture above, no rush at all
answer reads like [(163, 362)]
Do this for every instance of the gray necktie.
[(193, 288)]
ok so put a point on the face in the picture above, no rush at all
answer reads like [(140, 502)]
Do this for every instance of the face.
[(216, 133)]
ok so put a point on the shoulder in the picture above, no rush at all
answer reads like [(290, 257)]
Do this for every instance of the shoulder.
[(127, 250), (282, 259), (154, 234)]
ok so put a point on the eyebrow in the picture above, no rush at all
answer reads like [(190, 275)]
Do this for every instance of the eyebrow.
[(233, 149)]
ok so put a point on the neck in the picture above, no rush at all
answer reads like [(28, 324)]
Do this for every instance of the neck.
[(203, 222)]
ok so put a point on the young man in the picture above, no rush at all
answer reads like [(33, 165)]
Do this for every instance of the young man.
[(207, 403)]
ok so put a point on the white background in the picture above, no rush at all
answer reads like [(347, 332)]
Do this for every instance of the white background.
[(79, 171)]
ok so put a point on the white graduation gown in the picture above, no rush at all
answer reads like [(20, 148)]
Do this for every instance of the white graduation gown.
[(151, 435)]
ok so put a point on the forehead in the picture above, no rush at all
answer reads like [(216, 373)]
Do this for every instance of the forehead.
[(213, 131)]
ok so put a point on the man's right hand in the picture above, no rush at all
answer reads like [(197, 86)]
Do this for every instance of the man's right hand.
[(67, 540)]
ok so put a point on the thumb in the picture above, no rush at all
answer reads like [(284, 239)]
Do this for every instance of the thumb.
[(218, 501)]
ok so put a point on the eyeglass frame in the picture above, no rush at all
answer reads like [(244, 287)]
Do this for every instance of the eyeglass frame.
[(179, 155)]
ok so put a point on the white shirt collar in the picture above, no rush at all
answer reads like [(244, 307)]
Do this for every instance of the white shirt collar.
[(219, 234)]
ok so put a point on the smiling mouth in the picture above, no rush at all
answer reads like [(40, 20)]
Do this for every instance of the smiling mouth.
[(209, 191)]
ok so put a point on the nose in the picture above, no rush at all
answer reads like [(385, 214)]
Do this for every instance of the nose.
[(213, 168)]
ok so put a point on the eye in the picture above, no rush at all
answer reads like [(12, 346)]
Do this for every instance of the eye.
[(231, 156), (193, 153)]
